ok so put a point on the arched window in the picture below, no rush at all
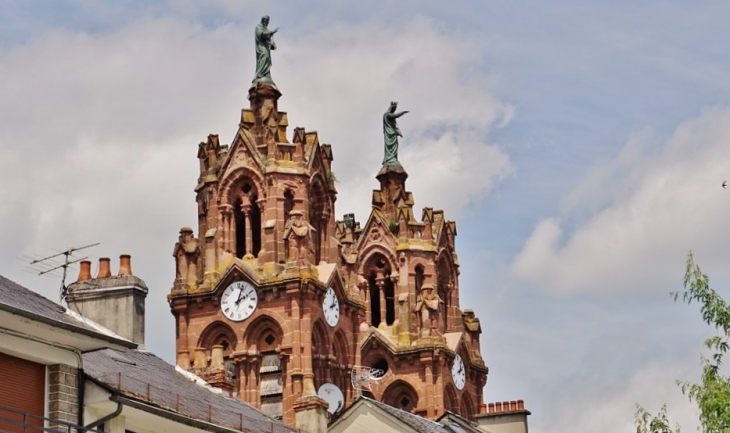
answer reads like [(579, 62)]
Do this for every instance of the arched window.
[(374, 301), (247, 222), (220, 334), (451, 403), (317, 199), (240, 219), (444, 280), (288, 203), (419, 279), (389, 293), (401, 395), (382, 290), (341, 376), (320, 355), (255, 219), (467, 406), (266, 336)]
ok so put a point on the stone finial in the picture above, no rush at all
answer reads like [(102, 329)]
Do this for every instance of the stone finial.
[(216, 356), (201, 360), (183, 359)]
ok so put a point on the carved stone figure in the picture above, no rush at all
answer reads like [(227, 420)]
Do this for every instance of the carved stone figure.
[(391, 133), (348, 254), (297, 234), (186, 254), (427, 307), (264, 44)]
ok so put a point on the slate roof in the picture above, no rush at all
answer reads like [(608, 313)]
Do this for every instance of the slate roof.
[(458, 423), (418, 423), (19, 300), (142, 376)]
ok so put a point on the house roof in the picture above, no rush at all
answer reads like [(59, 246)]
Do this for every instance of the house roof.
[(141, 376), (20, 301), (415, 422), (458, 423)]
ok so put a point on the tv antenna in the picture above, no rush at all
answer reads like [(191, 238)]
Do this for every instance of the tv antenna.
[(68, 254), (362, 378)]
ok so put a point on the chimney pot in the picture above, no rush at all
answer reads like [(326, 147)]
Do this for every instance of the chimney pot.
[(520, 405), (125, 265), (498, 407), (513, 406), (491, 407), (104, 268), (482, 409), (84, 271), (505, 406)]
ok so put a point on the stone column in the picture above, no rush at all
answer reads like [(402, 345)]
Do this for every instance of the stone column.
[(183, 352), (246, 209), (381, 292), (441, 366), (296, 371), (428, 362), (306, 356), (253, 377), (210, 275), (226, 212)]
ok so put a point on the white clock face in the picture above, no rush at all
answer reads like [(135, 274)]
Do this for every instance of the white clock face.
[(239, 301), (331, 308), (458, 373)]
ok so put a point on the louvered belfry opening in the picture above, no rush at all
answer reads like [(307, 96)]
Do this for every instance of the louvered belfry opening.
[(271, 385)]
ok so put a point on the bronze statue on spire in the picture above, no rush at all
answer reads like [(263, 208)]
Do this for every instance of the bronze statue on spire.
[(391, 133), (264, 39)]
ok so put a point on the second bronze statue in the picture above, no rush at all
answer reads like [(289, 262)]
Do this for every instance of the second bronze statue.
[(264, 39)]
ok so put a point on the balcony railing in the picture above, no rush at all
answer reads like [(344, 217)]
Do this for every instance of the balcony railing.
[(15, 421)]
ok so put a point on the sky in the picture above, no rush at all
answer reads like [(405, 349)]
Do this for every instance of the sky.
[(580, 146)]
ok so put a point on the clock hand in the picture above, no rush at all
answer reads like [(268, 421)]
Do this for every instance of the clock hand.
[(240, 296)]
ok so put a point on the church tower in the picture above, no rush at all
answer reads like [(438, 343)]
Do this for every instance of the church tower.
[(415, 331), (275, 300), (261, 308)]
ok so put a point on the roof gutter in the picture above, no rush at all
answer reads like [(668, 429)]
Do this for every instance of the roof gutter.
[(106, 418), (173, 416)]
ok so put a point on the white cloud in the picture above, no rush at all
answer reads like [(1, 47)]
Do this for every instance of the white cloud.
[(341, 79), (612, 407), (660, 205)]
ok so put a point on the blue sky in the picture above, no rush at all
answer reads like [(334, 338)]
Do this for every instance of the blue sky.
[(580, 146)]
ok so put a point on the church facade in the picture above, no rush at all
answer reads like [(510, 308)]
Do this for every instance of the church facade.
[(276, 300)]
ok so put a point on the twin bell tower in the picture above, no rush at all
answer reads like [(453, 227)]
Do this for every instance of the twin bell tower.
[(277, 302)]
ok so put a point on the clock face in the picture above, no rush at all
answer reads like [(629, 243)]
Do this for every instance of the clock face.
[(331, 308), (458, 373), (239, 301)]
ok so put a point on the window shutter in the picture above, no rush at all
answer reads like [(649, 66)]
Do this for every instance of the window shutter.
[(22, 388)]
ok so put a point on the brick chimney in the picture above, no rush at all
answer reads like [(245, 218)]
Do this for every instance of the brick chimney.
[(115, 302), (503, 417)]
